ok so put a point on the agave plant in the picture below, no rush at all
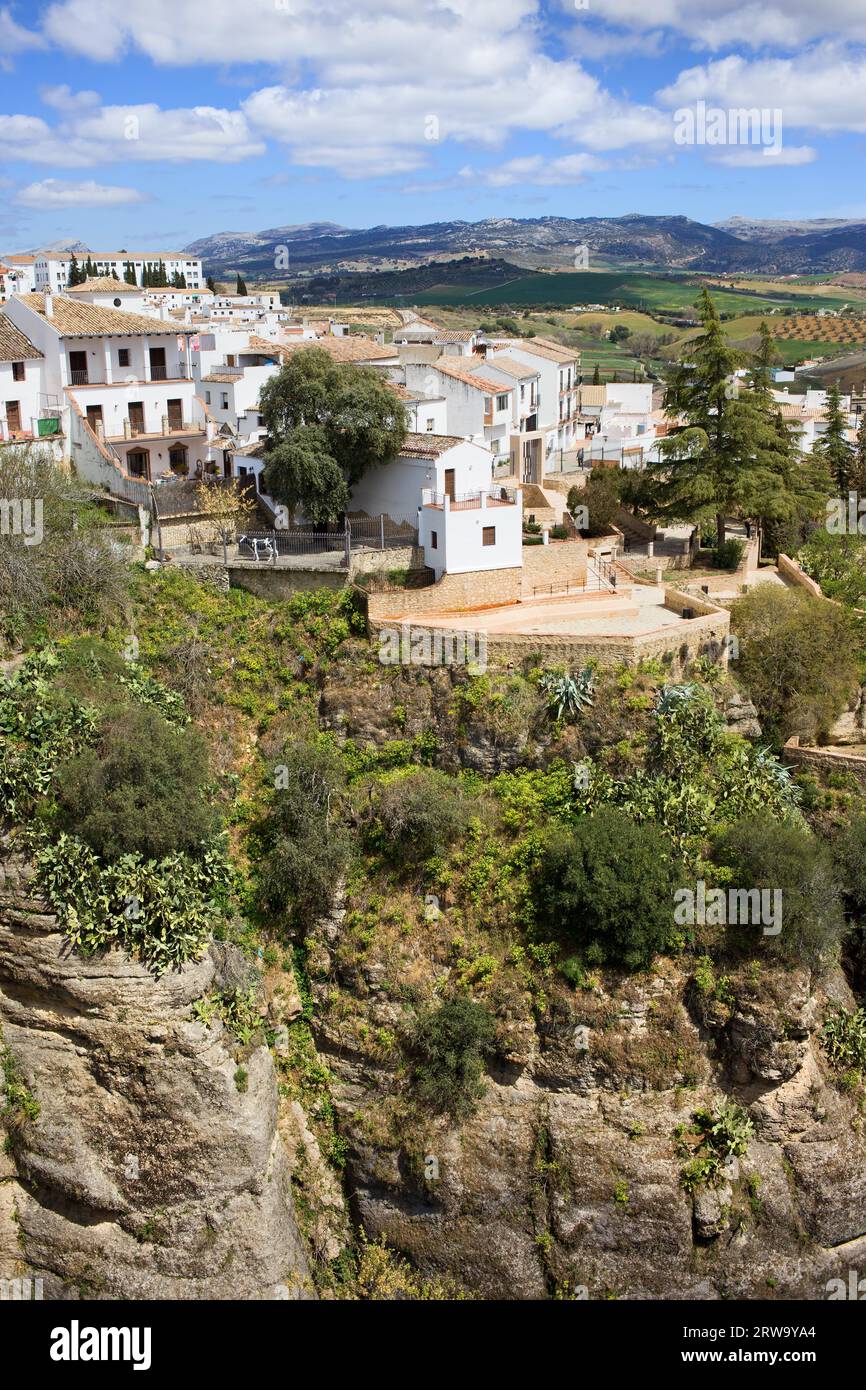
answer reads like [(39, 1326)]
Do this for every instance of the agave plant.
[(568, 695)]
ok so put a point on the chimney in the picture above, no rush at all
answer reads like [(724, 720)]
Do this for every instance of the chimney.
[(49, 306)]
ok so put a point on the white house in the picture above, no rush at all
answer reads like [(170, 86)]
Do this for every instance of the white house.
[(125, 376), (52, 267), (21, 387), (19, 274), (557, 397), (479, 406)]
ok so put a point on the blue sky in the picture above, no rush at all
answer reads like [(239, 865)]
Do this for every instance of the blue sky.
[(146, 126)]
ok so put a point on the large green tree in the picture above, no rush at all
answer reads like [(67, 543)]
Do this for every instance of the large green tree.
[(833, 447), (734, 457), (328, 423)]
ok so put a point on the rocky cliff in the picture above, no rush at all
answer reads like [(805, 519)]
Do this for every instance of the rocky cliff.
[(568, 1180), (155, 1168)]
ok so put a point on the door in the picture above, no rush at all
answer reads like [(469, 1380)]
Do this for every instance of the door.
[(136, 417), (94, 418), (449, 484), (174, 410), (137, 463), (13, 416), (158, 370), (78, 368)]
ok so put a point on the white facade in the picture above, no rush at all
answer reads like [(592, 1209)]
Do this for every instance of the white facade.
[(476, 408), (21, 397), (134, 389), (52, 267)]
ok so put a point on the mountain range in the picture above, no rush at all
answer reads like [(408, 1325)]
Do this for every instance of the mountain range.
[(739, 245)]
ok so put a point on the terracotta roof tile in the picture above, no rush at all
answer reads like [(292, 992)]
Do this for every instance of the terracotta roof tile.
[(15, 346), (73, 319)]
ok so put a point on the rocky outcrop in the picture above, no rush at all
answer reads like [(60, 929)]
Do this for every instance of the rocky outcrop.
[(155, 1168), (569, 1178), (741, 717)]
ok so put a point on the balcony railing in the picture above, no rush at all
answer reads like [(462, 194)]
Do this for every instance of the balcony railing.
[(467, 501), (79, 378), (159, 373)]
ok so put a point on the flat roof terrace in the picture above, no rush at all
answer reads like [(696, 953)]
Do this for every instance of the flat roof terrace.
[(629, 612)]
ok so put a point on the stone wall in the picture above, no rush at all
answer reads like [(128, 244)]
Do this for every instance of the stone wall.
[(792, 572), (826, 760), (268, 582), (676, 647), (453, 592), (557, 564)]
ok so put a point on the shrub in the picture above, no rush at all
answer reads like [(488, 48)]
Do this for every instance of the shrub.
[(849, 852), (305, 848), (764, 854), (729, 554), (142, 790), (421, 813), (608, 885), (601, 497), (797, 657), (449, 1045)]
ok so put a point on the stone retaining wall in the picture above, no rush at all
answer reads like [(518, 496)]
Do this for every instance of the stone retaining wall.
[(825, 759)]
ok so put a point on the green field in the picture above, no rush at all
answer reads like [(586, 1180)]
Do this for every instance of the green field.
[(655, 292)]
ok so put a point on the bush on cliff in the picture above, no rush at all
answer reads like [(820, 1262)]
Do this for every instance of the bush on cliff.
[(607, 885)]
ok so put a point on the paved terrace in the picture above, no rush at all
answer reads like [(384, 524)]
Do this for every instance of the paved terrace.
[(594, 614)]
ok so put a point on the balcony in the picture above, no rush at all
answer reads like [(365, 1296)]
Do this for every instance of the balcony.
[(469, 501)]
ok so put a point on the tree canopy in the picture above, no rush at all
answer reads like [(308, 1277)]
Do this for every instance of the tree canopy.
[(328, 423), (735, 457)]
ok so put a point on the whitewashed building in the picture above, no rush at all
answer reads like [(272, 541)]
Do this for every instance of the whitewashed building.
[(122, 378)]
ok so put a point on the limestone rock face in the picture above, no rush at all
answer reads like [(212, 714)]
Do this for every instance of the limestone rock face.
[(741, 717), (569, 1175), (155, 1169)]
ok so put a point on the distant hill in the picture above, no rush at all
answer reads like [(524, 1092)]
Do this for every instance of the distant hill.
[(665, 243)]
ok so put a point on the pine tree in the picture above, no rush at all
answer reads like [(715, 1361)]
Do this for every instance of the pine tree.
[(833, 446), (129, 274), (181, 281), (735, 457), (596, 376), (210, 284), (241, 285), (74, 271), (857, 467)]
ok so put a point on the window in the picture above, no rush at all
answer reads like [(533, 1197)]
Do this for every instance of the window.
[(123, 357), (261, 419), (434, 540), (429, 424), (488, 535), (502, 402), (207, 397), (17, 371), (224, 400)]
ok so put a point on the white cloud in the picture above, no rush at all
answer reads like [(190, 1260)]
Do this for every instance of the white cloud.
[(538, 169), (821, 89), (360, 84), (720, 24), (89, 134), (744, 157), (15, 39), (53, 193)]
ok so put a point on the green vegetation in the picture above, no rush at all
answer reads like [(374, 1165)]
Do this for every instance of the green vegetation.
[(722, 1135), (328, 423), (449, 1045), (142, 789), (419, 813), (607, 886), (798, 658), (304, 848), (789, 861)]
